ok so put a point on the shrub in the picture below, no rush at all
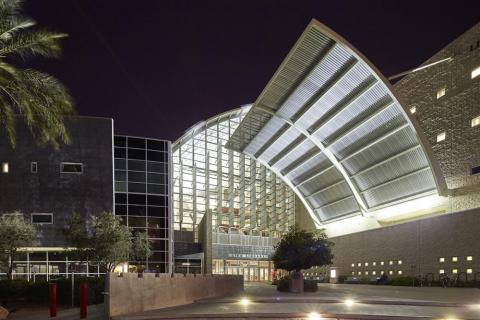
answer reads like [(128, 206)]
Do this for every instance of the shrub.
[(310, 286), (283, 284), (342, 279), (404, 281), (38, 292)]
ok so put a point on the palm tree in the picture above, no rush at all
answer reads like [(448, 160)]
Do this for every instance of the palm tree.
[(37, 98)]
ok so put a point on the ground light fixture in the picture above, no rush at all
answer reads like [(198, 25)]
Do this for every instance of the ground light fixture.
[(349, 302), (244, 301), (314, 316)]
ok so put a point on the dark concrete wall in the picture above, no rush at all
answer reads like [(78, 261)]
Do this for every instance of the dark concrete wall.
[(418, 244), (50, 191)]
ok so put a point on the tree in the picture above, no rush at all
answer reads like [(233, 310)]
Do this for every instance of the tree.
[(15, 233), (109, 242), (300, 249), (40, 99)]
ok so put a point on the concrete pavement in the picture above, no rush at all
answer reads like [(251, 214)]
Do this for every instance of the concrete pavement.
[(332, 301)]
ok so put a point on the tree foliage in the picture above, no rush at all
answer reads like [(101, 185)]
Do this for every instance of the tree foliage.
[(300, 249), (40, 99), (108, 241), (15, 233)]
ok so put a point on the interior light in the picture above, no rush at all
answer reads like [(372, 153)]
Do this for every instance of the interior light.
[(5, 167)]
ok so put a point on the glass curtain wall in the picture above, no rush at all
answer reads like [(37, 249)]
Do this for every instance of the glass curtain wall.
[(239, 192), (142, 193)]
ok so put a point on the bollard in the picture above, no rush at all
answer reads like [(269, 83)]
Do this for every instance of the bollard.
[(83, 301), (53, 300)]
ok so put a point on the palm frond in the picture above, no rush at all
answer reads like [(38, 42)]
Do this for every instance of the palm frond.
[(7, 120), (27, 44), (9, 27)]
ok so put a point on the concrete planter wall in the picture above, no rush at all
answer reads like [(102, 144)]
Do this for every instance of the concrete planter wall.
[(128, 293)]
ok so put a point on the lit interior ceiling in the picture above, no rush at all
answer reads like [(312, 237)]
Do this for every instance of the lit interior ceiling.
[(330, 126)]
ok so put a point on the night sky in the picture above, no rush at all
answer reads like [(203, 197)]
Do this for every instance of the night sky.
[(158, 67)]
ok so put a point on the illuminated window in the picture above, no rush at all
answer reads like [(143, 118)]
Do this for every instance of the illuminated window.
[(441, 92), (71, 167), (469, 258), (400, 262), (469, 271), (359, 264), (475, 121), (454, 259), (400, 272), (366, 273), (454, 271), (475, 170), (476, 72), (366, 264), (390, 272), (382, 263), (5, 167), (353, 264), (353, 273), (441, 271), (390, 262), (413, 110), (359, 273), (374, 272), (374, 263), (441, 136), (441, 260), (382, 272)]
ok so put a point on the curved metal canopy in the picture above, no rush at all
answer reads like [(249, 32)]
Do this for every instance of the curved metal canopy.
[(329, 124)]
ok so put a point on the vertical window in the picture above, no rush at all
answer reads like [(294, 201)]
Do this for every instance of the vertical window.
[(441, 260), (353, 264), (469, 258), (454, 259), (475, 72), (359, 273), (366, 264), (441, 271), (400, 272), (390, 272), (374, 263), (353, 273), (413, 109), (469, 271), (382, 263), (366, 273), (475, 121), (33, 167), (441, 136), (374, 272), (5, 167), (454, 271), (441, 92), (390, 262), (400, 262), (359, 264)]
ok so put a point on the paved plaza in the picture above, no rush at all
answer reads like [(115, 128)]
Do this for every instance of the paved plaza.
[(332, 301)]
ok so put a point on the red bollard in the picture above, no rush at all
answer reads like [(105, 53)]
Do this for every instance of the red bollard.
[(83, 301), (53, 299)]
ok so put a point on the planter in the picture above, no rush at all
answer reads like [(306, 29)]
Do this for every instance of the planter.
[(296, 282)]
